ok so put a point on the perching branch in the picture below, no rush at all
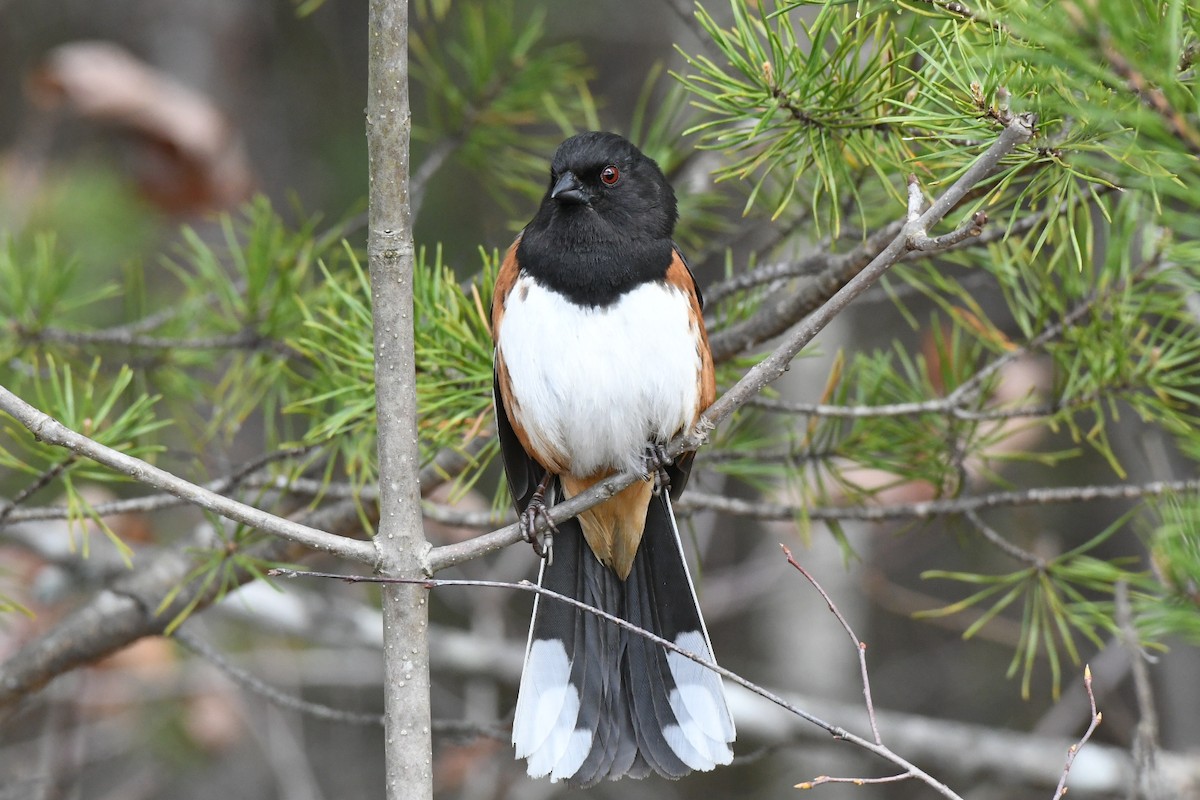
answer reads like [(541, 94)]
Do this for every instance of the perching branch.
[(912, 234)]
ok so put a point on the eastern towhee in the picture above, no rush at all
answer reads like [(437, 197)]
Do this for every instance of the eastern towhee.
[(601, 357)]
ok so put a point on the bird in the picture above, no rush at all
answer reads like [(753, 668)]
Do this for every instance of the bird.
[(601, 357)]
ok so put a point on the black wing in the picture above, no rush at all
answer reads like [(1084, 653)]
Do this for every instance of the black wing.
[(523, 472)]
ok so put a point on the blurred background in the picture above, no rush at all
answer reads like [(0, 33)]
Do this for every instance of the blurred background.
[(126, 119)]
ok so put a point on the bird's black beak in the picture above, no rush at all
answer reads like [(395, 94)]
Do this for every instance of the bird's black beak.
[(569, 189)]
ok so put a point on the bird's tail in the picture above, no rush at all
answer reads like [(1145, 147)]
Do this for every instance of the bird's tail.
[(597, 701)]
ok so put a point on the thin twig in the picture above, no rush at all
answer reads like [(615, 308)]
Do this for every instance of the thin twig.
[(160, 318), (970, 229), (937, 406), (993, 536), (1073, 750), (859, 644), (435, 159), (41, 482), (903, 776), (925, 509), (444, 728), (271, 693)]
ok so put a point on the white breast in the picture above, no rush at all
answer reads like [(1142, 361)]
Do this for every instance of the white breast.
[(597, 384)]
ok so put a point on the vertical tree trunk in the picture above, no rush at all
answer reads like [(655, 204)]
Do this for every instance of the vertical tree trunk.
[(400, 539)]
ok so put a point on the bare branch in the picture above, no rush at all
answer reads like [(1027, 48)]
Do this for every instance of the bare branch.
[(1074, 749), (251, 683), (695, 501), (51, 431), (925, 509), (823, 779), (825, 262), (941, 405), (993, 536), (435, 159), (859, 644), (42, 481), (442, 469)]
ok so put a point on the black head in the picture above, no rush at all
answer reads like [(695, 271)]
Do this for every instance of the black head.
[(605, 222), (604, 173)]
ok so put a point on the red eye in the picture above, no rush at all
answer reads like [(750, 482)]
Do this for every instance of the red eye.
[(610, 175)]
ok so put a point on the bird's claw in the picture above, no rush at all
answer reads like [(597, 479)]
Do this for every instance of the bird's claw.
[(543, 542), (654, 463)]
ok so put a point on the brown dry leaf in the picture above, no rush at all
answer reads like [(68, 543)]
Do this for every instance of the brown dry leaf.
[(192, 158)]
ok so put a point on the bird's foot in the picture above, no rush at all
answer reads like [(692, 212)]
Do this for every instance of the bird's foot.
[(542, 541), (654, 464)]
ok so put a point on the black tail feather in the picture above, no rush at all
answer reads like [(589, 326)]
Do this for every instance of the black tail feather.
[(598, 701)]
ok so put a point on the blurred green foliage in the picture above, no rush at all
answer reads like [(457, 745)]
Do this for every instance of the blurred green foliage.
[(257, 332)]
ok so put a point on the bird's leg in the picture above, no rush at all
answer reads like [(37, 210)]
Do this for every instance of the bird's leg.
[(655, 460), (543, 545)]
